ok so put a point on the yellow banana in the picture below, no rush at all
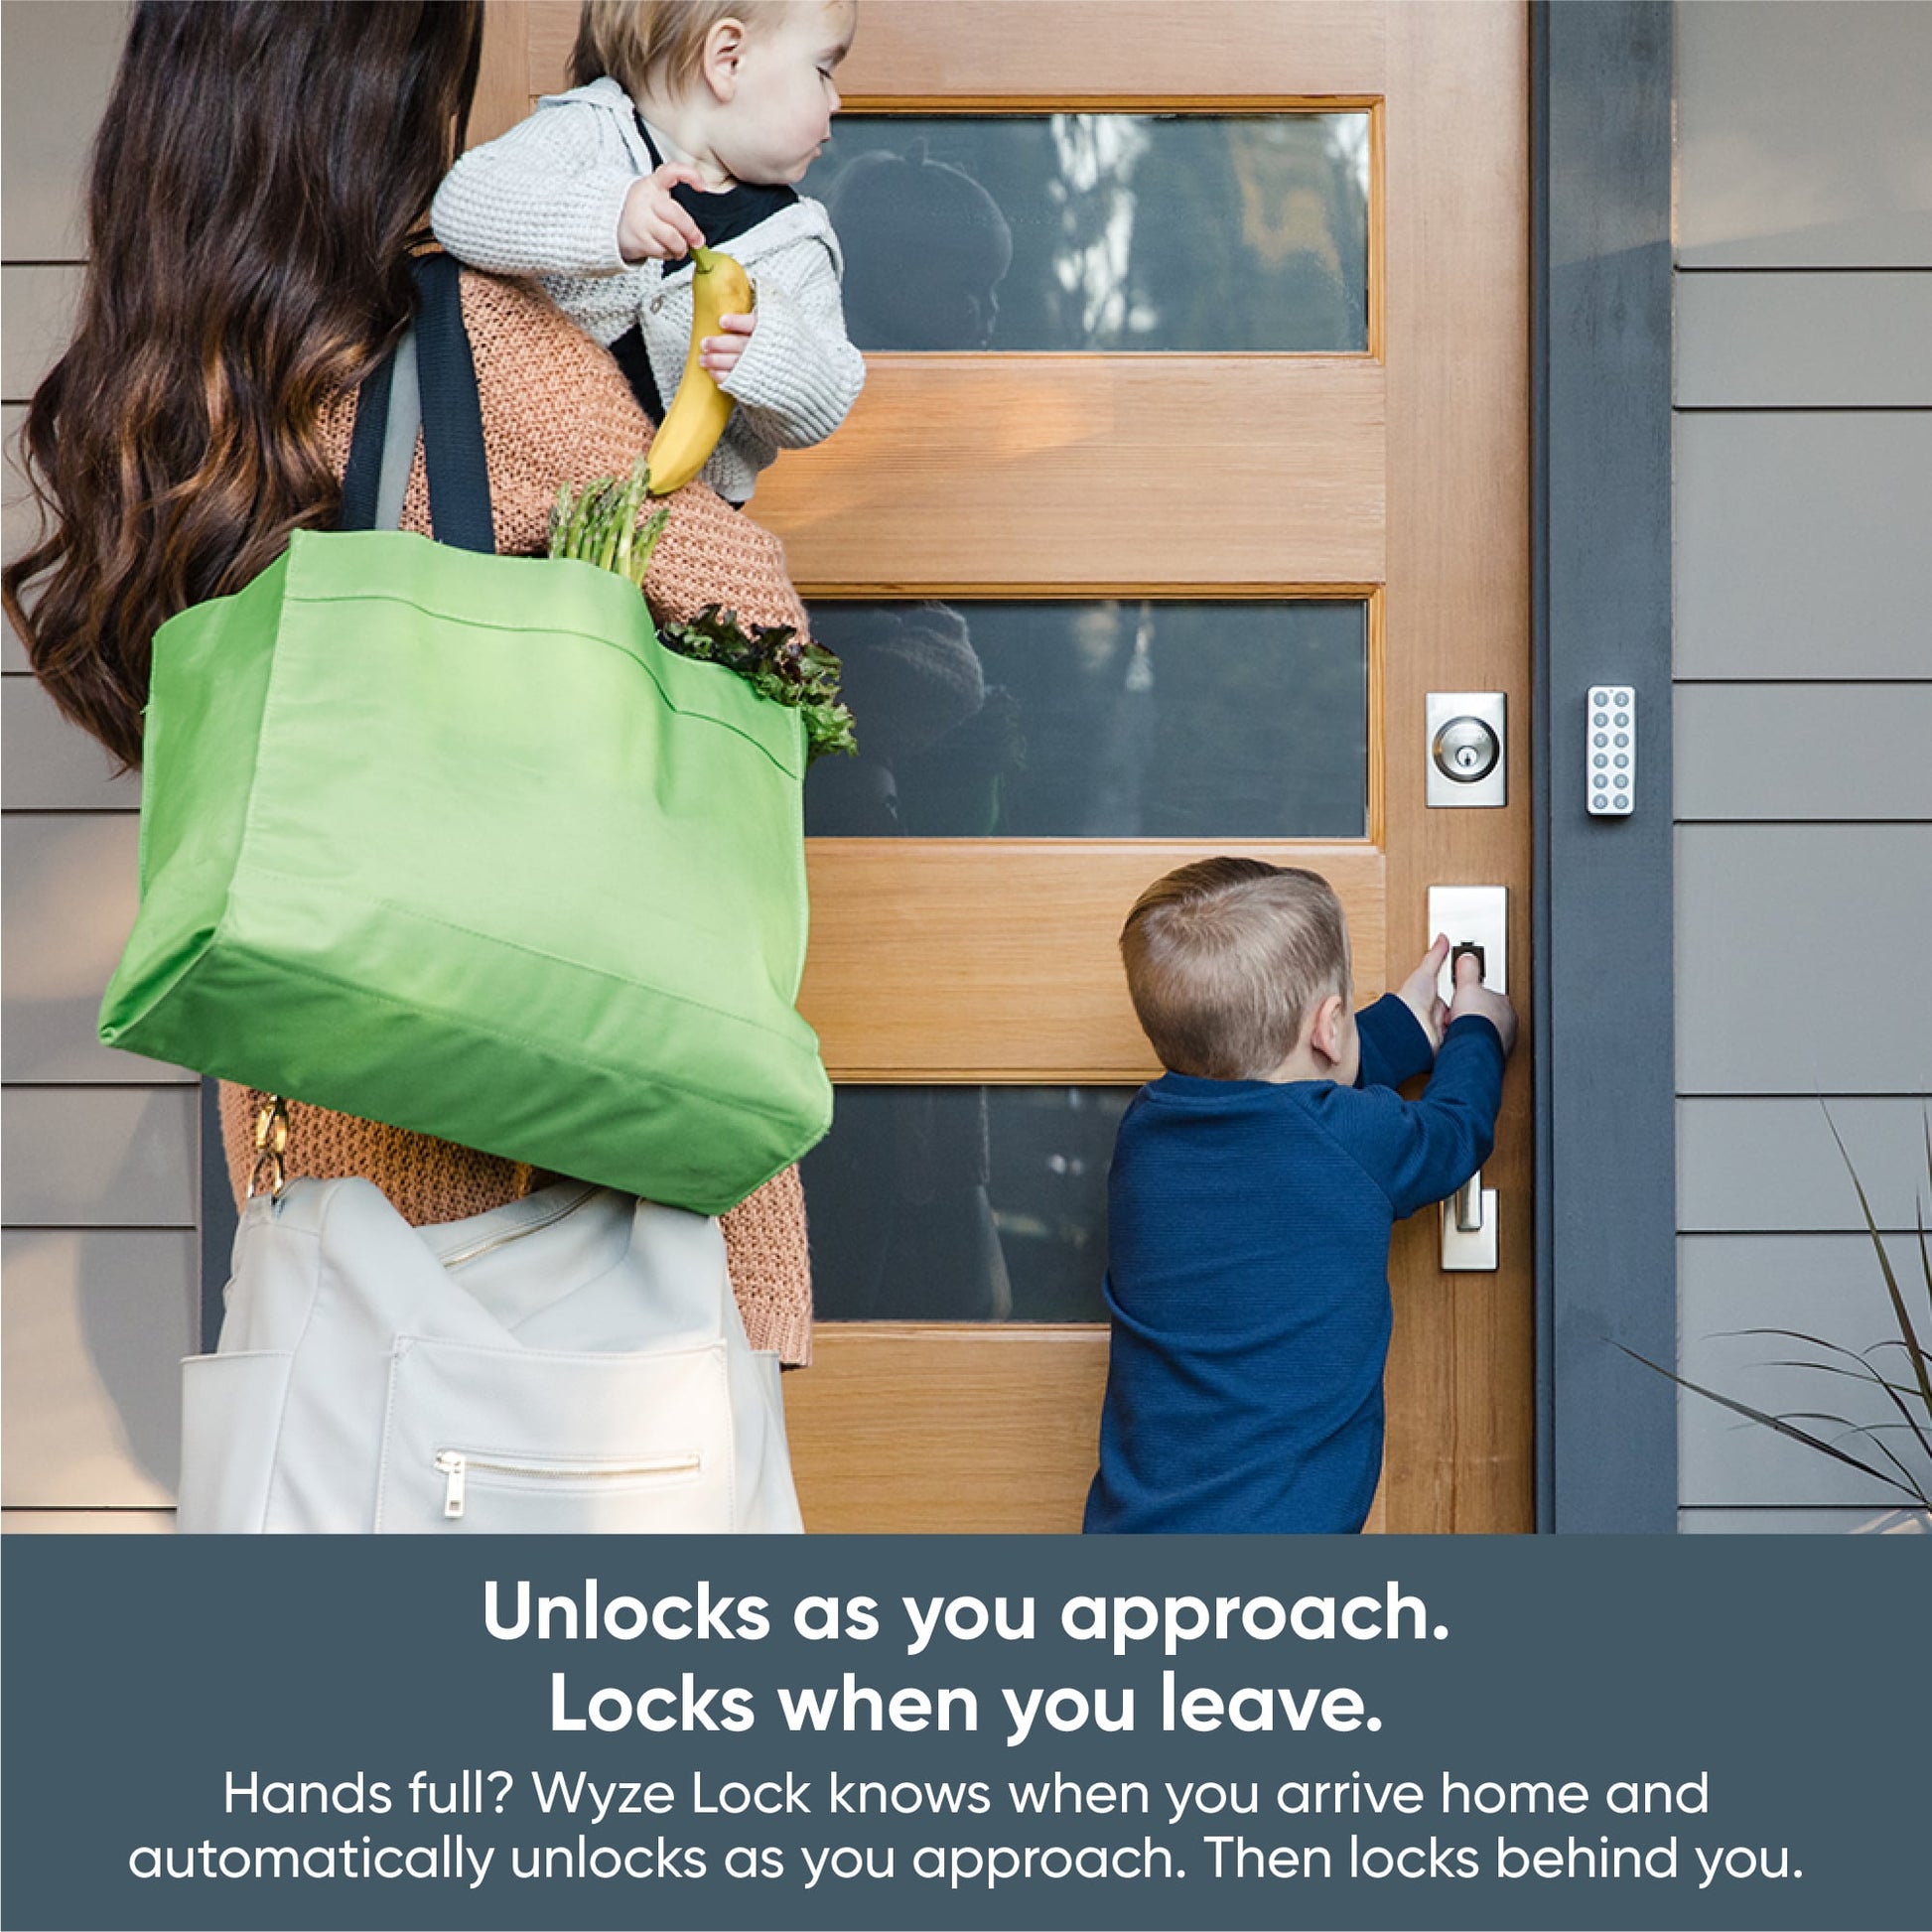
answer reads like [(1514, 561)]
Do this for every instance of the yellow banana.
[(700, 409)]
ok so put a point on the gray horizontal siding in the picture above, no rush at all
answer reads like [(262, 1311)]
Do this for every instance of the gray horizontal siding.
[(101, 1156), (68, 886), (48, 765), (95, 1324), (17, 519), (1772, 1167), (64, 58), (1801, 959), (1804, 339), (1803, 140), (99, 1186), (1804, 1521), (1813, 750), (1801, 722), (1824, 1285), (1801, 548), (37, 306)]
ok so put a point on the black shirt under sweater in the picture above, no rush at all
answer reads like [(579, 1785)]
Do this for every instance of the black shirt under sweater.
[(721, 218)]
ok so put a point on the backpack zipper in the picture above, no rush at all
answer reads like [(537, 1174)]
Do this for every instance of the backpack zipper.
[(494, 1241), (454, 1465)]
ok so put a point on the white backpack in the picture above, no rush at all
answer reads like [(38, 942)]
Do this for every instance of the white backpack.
[(572, 1361)]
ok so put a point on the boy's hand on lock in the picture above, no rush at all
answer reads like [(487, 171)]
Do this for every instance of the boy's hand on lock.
[(1418, 992), (1471, 996), (652, 227)]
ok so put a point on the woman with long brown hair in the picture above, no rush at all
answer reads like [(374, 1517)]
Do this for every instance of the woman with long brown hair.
[(262, 172)]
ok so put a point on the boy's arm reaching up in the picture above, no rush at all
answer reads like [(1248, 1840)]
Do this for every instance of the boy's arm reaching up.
[(1401, 1031), (546, 199), (1421, 1150)]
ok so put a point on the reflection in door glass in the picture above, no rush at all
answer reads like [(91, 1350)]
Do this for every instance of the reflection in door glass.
[(1102, 232), (1099, 719), (962, 1203)]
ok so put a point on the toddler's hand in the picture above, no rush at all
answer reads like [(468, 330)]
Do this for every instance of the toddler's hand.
[(652, 227), (719, 353), (1471, 996), (1418, 992)]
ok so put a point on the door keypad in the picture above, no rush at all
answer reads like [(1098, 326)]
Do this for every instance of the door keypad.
[(1610, 751)]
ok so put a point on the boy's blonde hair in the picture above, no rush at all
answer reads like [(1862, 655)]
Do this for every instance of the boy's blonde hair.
[(1224, 960), (644, 45)]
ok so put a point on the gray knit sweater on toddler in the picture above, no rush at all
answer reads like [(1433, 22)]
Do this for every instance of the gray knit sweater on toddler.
[(545, 199)]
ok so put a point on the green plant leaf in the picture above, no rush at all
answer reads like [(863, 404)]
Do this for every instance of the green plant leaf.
[(1846, 1422), (1884, 1449), (1869, 1375), (1909, 1489), (1919, 1365), (1863, 1372), (1795, 1335), (1856, 1366), (1895, 1393)]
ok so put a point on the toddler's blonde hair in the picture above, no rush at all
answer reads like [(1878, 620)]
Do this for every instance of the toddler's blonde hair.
[(644, 45), (1226, 957)]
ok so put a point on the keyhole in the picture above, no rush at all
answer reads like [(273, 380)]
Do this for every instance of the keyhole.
[(1465, 749)]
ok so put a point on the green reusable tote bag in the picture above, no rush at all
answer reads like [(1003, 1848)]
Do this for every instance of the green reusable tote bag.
[(447, 840)]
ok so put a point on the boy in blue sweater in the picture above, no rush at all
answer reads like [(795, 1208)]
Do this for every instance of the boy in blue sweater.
[(1254, 1188)]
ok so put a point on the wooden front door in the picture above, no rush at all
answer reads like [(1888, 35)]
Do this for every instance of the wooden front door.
[(1193, 455)]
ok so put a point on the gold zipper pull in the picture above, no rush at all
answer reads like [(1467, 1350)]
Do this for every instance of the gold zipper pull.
[(452, 1467)]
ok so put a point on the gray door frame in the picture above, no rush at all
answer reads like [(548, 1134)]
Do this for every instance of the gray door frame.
[(1600, 577)]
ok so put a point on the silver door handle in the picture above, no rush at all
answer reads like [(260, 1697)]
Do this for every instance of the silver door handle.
[(1476, 915), (1469, 1205), (1469, 1229)]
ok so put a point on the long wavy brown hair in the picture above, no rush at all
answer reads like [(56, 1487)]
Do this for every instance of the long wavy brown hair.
[(257, 178)]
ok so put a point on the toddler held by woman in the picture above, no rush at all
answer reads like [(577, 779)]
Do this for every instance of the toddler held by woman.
[(687, 123)]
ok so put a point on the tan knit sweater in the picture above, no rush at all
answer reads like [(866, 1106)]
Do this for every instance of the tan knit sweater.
[(556, 409)]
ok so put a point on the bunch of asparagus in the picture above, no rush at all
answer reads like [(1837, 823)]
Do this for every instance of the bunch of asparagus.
[(599, 525)]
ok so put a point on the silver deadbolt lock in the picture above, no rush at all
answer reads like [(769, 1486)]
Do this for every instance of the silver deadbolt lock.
[(1466, 748)]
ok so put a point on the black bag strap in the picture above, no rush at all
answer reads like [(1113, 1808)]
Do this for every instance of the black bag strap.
[(453, 438), (362, 479)]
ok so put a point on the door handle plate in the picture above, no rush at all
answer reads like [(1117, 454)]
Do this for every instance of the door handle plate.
[(1476, 915), (1470, 1250)]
